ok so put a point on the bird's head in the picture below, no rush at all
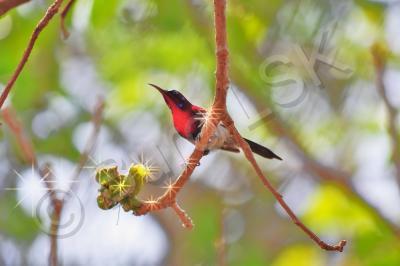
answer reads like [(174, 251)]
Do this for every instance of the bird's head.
[(174, 99)]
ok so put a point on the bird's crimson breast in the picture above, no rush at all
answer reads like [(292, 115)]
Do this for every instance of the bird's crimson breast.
[(185, 124)]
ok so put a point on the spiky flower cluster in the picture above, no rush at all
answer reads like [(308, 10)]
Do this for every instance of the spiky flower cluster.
[(116, 188)]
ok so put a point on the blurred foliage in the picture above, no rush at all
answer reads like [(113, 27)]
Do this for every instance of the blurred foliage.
[(15, 222), (117, 47)]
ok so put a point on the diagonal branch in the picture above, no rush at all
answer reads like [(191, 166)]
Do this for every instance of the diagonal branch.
[(186, 220), (51, 11), (250, 157), (23, 141), (7, 5), (316, 169)]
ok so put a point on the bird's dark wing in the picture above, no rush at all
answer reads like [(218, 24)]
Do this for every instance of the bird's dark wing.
[(198, 114), (261, 150)]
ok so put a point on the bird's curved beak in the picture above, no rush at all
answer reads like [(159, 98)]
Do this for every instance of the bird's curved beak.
[(162, 91)]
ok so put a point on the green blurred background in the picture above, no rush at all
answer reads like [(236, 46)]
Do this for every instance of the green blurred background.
[(324, 116)]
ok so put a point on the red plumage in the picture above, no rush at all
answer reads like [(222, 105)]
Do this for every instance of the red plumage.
[(187, 119)]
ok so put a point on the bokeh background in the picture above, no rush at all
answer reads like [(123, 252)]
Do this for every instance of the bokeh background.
[(303, 83)]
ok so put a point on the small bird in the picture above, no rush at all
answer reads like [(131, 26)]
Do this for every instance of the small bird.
[(188, 120)]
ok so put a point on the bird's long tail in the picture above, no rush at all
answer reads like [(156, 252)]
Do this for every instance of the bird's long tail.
[(261, 150)]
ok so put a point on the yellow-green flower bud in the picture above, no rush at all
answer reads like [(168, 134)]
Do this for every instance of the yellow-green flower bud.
[(105, 175), (105, 203), (140, 174), (130, 204), (119, 186)]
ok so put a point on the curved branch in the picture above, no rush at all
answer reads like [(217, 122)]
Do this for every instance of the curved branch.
[(7, 5), (51, 11), (250, 157), (10, 119)]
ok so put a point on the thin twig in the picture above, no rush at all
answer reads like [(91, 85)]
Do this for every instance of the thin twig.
[(250, 157), (55, 217), (96, 121), (23, 141), (48, 178), (222, 77), (45, 173), (51, 11), (6, 5), (318, 170), (64, 13), (54, 227), (58, 204), (186, 220)]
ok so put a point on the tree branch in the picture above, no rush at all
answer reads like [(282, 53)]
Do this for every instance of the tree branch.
[(23, 141), (45, 173), (51, 11), (318, 170), (6, 5), (186, 220), (64, 13), (96, 121), (28, 152), (250, 157), (58, 204), (218, 114)]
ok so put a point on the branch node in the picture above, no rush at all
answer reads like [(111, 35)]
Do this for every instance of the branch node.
[(185, 219)]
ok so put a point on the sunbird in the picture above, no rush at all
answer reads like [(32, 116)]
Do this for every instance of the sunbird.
[(189, 119)]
